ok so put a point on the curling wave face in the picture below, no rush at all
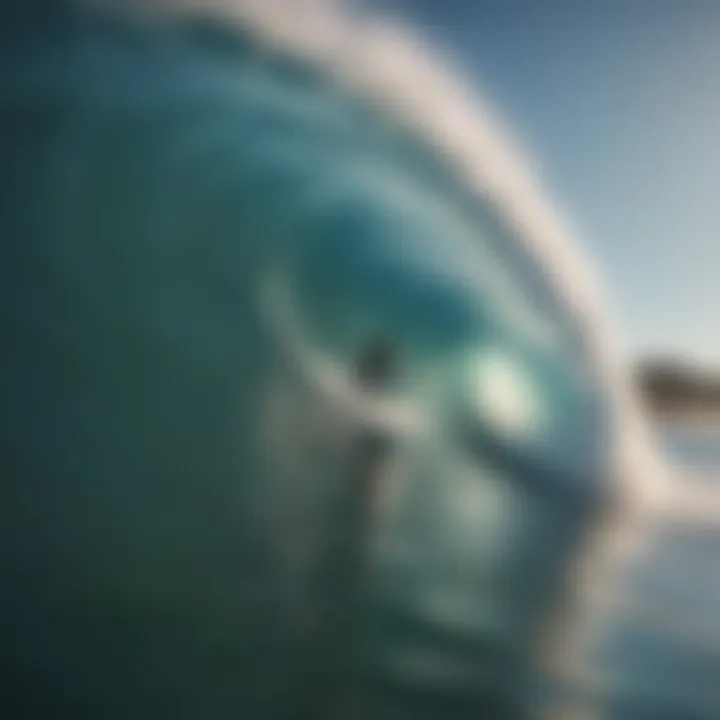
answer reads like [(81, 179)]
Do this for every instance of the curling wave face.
[(210, 237)]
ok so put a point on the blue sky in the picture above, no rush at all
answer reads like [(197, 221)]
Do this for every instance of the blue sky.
[(619, 102)]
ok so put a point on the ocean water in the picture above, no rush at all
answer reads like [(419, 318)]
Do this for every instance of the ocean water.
[(693, 448), (661, 654)]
